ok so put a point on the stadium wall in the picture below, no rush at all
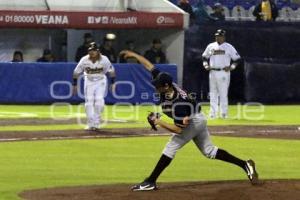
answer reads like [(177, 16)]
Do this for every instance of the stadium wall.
[(270, 82), (41, 83)]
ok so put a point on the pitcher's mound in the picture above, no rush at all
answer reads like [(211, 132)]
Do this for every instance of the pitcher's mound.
[(223, 190)]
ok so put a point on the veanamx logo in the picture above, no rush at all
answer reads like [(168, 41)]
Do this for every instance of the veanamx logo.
[(111, 20), (162, 20)]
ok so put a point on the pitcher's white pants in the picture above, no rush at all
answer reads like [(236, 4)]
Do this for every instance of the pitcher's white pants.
[(218, 87), (196, 131), (94, 101)]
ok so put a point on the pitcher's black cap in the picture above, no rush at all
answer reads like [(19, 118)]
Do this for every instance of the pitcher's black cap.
[(161, 80)]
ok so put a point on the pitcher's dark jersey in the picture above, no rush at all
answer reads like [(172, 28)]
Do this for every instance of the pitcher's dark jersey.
[(178, 107)]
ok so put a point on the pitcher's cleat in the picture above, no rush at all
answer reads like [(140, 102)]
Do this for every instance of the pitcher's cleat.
[(96, 129), (89, 128), (92, 129), (251, 172), (144, 186)]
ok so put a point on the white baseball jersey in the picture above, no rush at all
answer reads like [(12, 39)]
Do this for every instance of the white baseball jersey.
[(220, 55), (93, 71)]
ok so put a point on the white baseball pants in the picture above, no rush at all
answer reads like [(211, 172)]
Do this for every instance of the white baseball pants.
[(218, 89), (196, 131), (94, 93)]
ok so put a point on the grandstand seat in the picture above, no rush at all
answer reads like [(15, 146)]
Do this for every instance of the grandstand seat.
[(286, 14), (226, 13), (297, 14), (249, 14), (238, 13), (243, 9)]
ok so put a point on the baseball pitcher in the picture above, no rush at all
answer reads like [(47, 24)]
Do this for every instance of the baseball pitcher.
[(217, 59), (94, 66), (189, 124)]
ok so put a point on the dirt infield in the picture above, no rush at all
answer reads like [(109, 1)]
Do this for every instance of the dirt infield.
[(226, 190), (279, 132), (222, 190)]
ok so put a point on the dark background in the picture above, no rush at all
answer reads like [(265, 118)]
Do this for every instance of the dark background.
[(270, 71)]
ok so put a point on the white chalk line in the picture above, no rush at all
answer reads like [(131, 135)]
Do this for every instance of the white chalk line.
[(78, 137), (17, 114)]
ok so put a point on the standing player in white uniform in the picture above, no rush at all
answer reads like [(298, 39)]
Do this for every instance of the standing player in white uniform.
[(94, 66), (219, 58)]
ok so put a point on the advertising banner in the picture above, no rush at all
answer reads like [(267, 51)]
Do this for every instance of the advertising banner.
[(89, 20), (52, 82)]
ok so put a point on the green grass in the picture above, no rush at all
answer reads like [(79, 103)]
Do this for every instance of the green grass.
[(40, 164), (239, 115)]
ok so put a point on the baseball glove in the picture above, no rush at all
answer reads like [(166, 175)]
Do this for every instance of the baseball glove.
[(151, 118)]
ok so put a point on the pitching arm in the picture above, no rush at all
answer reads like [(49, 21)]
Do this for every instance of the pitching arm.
[(145, 62)]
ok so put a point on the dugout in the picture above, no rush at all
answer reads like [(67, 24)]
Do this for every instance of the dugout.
[(33, 25)]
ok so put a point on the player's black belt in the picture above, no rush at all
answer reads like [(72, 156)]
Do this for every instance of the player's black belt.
[(216, 69)]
